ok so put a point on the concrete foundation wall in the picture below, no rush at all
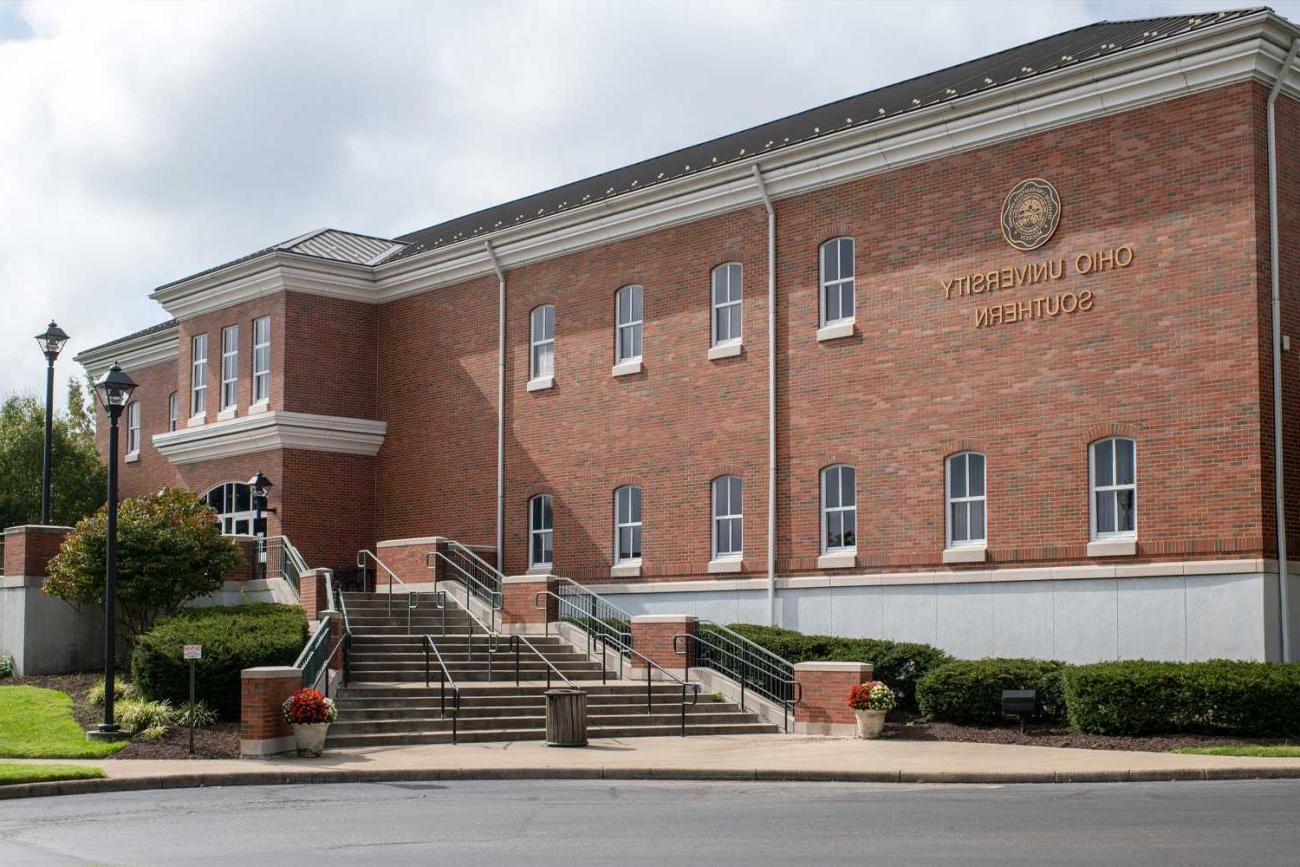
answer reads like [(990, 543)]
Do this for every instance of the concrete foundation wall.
[(46, 635)]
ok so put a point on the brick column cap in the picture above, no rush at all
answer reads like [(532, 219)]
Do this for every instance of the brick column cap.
[(535, 578), (271, 671), (37, 528), (665, 618), (863, 668)]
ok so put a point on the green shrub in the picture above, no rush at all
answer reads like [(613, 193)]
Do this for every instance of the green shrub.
[(137, 715), (6, 665), (900, 664), (1251, 699), (969, 691), (123, 690), (233, 639), (198, 714)]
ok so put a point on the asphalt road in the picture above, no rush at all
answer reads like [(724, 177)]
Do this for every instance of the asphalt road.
[(530, 823)]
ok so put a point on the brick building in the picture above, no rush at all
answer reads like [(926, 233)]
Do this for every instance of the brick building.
[(983, 359)]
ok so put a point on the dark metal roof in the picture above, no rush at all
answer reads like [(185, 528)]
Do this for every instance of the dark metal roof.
[(143, 332), (1024, 62)]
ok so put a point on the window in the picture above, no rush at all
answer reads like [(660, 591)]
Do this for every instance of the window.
[(839, 509), (837, 280), (229, 366), (173, 412), (198, 374), (1113, 471), (133, 427), (233, 503), (628, 337), (966, 499), (540, 532), (727, 306), (728, 517), (261, 359), (627, 524), (543, 342)]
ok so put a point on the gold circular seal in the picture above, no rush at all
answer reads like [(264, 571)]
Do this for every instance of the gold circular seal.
[(1030, 214)]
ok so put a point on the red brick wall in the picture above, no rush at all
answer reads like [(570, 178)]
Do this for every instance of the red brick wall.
[(28, 550), (824, 694), (329, 359), (519, 601), (408, 562), (261, 716), (211, 324), (152, 471), (653, 638)]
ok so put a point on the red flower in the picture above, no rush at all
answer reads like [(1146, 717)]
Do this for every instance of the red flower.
[(308, 706)]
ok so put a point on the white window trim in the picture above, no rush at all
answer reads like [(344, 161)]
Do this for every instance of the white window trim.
[(949, 501), (534, 531), (828, 325), (845, 555), (198, 379), (534, 375), (626, 368), (263, 376), (1094, 489), (714, 307), (713, 522), (230, 361), (619, 327), (173, 412), (133, 431), (619, 559), (249, 515)]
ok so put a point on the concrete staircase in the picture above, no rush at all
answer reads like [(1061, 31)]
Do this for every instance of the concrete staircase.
[(387, 704)]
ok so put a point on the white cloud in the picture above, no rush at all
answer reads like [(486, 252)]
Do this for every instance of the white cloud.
[(140, 142)]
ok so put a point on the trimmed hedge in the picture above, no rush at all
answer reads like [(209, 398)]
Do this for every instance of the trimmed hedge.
[(1253, 699), (898, 663), (969, 691), (233, 639)]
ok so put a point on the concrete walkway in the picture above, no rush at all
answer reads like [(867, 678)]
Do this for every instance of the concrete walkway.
[(723, 757)]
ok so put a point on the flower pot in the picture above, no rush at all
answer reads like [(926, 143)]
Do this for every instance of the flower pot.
[(310, 737), (870, 722)]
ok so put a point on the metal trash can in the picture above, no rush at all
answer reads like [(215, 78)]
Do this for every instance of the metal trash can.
[(566, 718)]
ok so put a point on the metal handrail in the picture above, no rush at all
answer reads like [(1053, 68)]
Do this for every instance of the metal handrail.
[(686, 685), (491, 590), (583, 618), (742, 671), (314, 669), (412, 599), (515, 641), (291, 566), (492, 598), (444, 678)]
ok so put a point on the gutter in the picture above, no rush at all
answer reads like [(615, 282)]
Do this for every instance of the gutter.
[(771, 396), (501, 405), (1278, 458)]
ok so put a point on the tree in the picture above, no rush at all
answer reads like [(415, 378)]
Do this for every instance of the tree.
[(81, 410), (77, 476), (170, 551)]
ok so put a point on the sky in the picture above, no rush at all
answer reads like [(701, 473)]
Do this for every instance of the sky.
[(141, 142)]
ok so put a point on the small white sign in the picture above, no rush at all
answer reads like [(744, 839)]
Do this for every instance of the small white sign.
[(194, 651)]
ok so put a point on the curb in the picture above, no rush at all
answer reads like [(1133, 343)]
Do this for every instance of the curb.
[(286, 778)]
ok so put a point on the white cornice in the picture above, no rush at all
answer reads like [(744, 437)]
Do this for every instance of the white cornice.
[(272, 430), (1250, 49), (131, 354)]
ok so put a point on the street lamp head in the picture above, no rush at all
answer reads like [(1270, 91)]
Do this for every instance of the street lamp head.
[(52, 340), (114, 390), (260, 484)]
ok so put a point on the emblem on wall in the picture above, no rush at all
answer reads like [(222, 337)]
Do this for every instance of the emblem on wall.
[(1030, 214)]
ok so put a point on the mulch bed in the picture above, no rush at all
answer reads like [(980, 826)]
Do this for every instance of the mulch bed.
[(916, 729), (220, 741)]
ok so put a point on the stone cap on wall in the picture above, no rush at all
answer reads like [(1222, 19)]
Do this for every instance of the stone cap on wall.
[(859, 667), (664, 618), (271, 671)]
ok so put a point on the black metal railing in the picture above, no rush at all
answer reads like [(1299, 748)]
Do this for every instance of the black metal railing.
[(412, 599), (750, 665), (622, 650), (450, 560), (592, 613), (516, 640), (445, 679)]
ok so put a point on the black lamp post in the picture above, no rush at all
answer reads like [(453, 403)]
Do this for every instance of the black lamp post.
[(114, 392), (51, 341), (260, 486)]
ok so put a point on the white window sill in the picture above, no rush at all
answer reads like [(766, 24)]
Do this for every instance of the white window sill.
[(725, 564), (725, 350), (836, 330), (132, 457), (626, 570), (541, 383), (965, 554), (260, 407), (838, 560), (227, 413), (626, 368), (1124, 546), (197, 420), (541, 570)]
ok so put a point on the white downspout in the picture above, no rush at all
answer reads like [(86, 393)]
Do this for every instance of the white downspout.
[(1278, 467), (501, 406), (771, 396)]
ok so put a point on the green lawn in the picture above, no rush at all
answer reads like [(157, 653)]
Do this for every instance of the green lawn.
[(1253, 752), (12, 773), (37, 723)]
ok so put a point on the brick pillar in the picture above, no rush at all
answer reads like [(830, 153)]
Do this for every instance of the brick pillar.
[(251, 568), (652, 635), (262, 729), (519, 602), (823, 708), (312, 595), (30, 547)]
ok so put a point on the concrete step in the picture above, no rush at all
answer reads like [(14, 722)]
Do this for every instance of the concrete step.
[(667, 730), (471, 722)]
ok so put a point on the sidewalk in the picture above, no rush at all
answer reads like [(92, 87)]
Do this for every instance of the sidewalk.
[(723, 757)]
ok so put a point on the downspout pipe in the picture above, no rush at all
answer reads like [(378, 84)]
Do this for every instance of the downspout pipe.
[(1278, 466), (771, 396), (501, 405)]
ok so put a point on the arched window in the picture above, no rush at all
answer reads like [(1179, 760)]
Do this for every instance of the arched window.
[(1112, 471), (628, 313), (133, 427), (837, 281), (540, 532), (839, 509), (233, 503), (966, 524), (542, 359), (627, 524), (728, 517), (727, 304)]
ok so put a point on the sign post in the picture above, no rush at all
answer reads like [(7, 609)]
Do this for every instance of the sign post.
[(193, 653)]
